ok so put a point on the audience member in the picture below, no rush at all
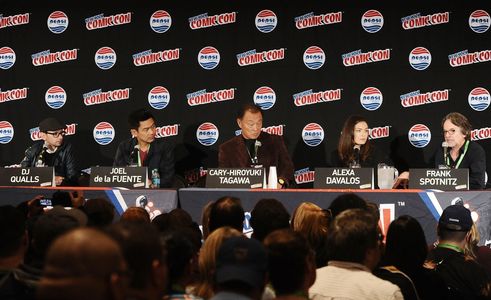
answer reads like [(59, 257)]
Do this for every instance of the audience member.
[(99, 211), (205, 219), (136, 214), (482, 254), (344, 202), (267, 216), (226, 211)]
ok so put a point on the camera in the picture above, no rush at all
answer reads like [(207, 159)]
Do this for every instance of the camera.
[(45, 202)]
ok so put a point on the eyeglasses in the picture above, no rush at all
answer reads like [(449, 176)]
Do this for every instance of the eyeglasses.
[(449, 132), (56, 133)]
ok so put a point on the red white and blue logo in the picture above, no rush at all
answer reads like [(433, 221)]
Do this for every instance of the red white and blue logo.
[(104, 133), (266, 21), (160, 21), (479, 21), (7, 58), (6, 132), (208, 58), (57, 22), (207, 134), (479, 99), (314, 57), (264, 97), (313, 134), (419, 135), (105, 58), (420, 58), (158, 97), (372, 21), (371, 98), (55, 97)]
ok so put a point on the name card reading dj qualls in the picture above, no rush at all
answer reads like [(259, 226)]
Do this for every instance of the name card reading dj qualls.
[(43, 176), (246, 178), (128, 177), (439, 179), (343, 178)]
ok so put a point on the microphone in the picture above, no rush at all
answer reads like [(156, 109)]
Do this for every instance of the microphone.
[(445, 152), (257, 144), (356, 149), (40, 158), (134, 156)]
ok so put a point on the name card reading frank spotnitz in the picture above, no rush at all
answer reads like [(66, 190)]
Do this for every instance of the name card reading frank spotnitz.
[(441, 179), (235, 178)]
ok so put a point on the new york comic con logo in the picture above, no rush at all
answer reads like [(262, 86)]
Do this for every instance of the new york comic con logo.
[(264, 97), (378, 132), (6, 132), (15, 20), (57, 22), (104, 133), (304, 176), (372, 21), (417, 20), (273, 129), (205, 21), (7, 58), (148, 57), (309, 97), (420, 58), (55, 97), (204, 97), (160, 21), (166, 131), (207, 134), (105, 58), (13, 94), (357, 57), (46, 57), (311, 20), (479, 99), (419, 135), (313, 134), (314, 57), (371, 98), (479, 21), (253, 57), (100, 97), (464, 58), (266, 21), (35, 134), (100, 21), (481, 134), (208, 58), (158, 97), (417, 98)]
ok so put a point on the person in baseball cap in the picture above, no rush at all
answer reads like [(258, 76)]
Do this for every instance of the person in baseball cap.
[(456, 217)]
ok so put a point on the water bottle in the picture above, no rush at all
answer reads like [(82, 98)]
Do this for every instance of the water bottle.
[(155, 179)]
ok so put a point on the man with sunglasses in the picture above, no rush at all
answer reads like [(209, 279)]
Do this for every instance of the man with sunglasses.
[(53, 152)]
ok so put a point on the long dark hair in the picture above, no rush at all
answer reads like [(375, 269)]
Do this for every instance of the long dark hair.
[(346, 141)]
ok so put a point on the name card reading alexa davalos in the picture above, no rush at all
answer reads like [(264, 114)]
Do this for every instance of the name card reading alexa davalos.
[(245, 178), (127, 177), (343, 178), (439, 179), (42, 176)]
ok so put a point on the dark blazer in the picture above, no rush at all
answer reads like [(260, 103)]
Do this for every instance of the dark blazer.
[(273, 152), (160, 156)]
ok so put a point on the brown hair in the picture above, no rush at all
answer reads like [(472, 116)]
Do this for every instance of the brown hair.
[(346, 140), (311, 221), (460, 121)]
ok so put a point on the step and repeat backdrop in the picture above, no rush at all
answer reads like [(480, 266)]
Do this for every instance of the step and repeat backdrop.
[(307, 64)]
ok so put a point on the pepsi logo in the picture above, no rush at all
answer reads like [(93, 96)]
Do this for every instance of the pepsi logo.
[(160, 21), (158, 97), (314, 57), (57, 22), (266, 21), (419, 135), (105, 58), (479, 21), (264, 97), (313, 134), (372, 21), (7, 58), (420, 58), (479, 99), (207, 134), (55, 97), (371, 98), (104, 133), (6, 132), (208, 58)]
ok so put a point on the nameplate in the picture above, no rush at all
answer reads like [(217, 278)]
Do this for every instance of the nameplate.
[(439, 179), (127, 177), (246, 178), (343, 178), (43, 176)]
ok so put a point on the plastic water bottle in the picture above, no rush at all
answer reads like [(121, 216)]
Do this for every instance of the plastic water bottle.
[(155, 179)]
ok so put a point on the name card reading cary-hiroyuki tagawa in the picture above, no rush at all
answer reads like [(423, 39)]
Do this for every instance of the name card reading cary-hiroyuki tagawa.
[(248, 178), (343, 178)]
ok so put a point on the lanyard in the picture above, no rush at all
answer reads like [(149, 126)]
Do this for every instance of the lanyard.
[(461, 156), (452, 247), (140, 163)]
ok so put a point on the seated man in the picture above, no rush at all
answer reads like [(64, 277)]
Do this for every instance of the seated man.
[(53, 152), (143, 150), (256, 147)]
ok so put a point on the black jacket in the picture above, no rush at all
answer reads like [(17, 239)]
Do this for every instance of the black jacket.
[(160, 156)]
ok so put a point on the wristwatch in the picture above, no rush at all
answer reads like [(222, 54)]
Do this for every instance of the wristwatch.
[(281, 181)]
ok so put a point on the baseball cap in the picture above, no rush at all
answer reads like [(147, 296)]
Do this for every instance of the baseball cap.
[(456, 217), (50, 124), (242, 259)]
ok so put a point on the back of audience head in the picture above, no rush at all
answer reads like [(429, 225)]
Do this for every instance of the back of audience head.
[(226, 211), (13, 237), (291, 262), (267, 216), (135, 214), (471, 246), (344, 202), (99, 211), (205, 219), (454, 224), (83, 264)]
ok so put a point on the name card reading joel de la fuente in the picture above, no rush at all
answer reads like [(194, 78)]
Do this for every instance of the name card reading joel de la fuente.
[(246, 178), (128, 177)]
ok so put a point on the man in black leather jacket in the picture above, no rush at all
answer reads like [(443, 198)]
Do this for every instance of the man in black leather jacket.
[(144, 150), (53, 152)]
